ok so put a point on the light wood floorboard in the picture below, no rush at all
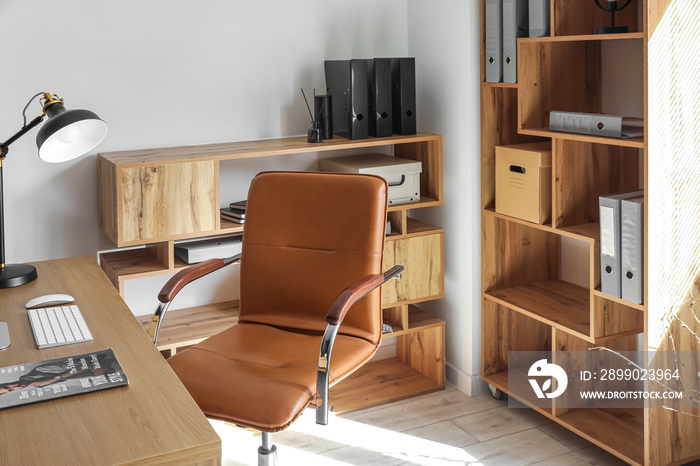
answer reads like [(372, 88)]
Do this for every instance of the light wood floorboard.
[(444, 428)]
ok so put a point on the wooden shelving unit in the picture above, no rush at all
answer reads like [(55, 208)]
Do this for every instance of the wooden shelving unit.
[(526, 305), (142, 204)]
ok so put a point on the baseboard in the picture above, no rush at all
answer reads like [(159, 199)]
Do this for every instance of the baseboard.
[(470, 384)]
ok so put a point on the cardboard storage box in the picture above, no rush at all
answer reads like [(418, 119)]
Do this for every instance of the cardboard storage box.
[(524, 181), (402, 175)]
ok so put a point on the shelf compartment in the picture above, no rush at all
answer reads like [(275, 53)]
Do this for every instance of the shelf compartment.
[(575, 197), (555, 302), (132, 263), (507, 330), (378, 383), (404, 226), (517, 253), (568, 76), (408, 319), (574, 17), (499, 127), (620, 431), (557, 76), (419, 320)]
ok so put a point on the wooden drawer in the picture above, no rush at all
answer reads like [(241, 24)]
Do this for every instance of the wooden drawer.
[(149, 203), (423, 276)]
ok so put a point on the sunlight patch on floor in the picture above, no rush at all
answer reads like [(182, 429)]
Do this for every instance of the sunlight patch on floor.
[(344, 440)]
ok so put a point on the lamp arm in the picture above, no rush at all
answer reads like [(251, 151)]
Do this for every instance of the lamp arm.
[(26, 128)]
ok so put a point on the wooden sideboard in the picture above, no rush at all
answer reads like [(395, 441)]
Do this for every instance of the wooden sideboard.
[(142, 203)]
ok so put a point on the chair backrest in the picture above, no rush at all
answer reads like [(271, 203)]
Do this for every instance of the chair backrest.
[(307, 236)]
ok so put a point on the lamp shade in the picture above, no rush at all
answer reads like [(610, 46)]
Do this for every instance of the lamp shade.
[(69, 133)]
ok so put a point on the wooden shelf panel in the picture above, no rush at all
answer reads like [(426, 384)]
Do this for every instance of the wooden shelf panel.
[(619, 431), (546, 133), (378, 383), (506, 85), (588, 232), (591, 231), (553, 302), (424, 202), (185, 327), (584, 37), (640, 307), (230, 227), (258, 148)]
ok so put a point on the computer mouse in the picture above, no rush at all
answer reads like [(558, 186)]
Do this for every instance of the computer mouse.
[(49, 300)]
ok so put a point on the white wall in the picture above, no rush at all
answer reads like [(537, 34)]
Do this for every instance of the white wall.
[(443, 35), (165, 73), (175, 72), (162, 73)]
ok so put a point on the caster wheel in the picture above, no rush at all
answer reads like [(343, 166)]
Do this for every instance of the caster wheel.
[(497, 394)]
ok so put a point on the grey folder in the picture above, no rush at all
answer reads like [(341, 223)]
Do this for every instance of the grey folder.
[(610, 239), (596, 124), (539, 18), (494, 41), (632, 249), (514, 25)]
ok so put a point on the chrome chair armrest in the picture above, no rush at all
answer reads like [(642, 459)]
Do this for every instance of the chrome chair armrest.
[(336, 314), (177, 283)]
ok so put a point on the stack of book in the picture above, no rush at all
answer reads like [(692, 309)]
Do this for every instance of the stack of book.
[(235, 212)]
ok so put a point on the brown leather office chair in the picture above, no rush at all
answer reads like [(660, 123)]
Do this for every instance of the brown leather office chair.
[(312, 247)]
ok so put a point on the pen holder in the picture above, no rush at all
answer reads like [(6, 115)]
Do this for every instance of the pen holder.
[(323, 109), (314, 133)]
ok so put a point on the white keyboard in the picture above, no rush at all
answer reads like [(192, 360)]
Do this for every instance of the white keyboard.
[(55, 326)]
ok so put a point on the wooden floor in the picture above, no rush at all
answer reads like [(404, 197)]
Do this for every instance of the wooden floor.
[(443, 428)]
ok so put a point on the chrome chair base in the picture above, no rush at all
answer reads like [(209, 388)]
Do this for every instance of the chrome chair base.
[(267, 453)]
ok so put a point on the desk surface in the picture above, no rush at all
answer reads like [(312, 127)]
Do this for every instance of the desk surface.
[(153, 420)]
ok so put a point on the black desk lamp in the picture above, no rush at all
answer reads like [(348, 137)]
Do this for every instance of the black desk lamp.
[(66, 135)]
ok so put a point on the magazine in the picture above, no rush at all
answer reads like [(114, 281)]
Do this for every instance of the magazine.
[(55, 378)]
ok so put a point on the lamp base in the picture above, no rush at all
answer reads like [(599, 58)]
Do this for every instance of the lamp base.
[(16, 275), (613, 30)]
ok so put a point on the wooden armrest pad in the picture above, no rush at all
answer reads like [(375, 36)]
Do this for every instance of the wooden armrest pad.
[(349, 295), (185, 276)]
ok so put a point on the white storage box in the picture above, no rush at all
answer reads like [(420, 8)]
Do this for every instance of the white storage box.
[(402, 175)]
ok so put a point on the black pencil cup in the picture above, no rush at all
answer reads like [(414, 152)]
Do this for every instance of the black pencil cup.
[(323, 112)]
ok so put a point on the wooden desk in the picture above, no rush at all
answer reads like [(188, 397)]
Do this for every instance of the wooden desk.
[(153, 420)]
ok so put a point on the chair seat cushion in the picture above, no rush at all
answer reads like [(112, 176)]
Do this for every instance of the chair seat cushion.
[(260, 376)]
